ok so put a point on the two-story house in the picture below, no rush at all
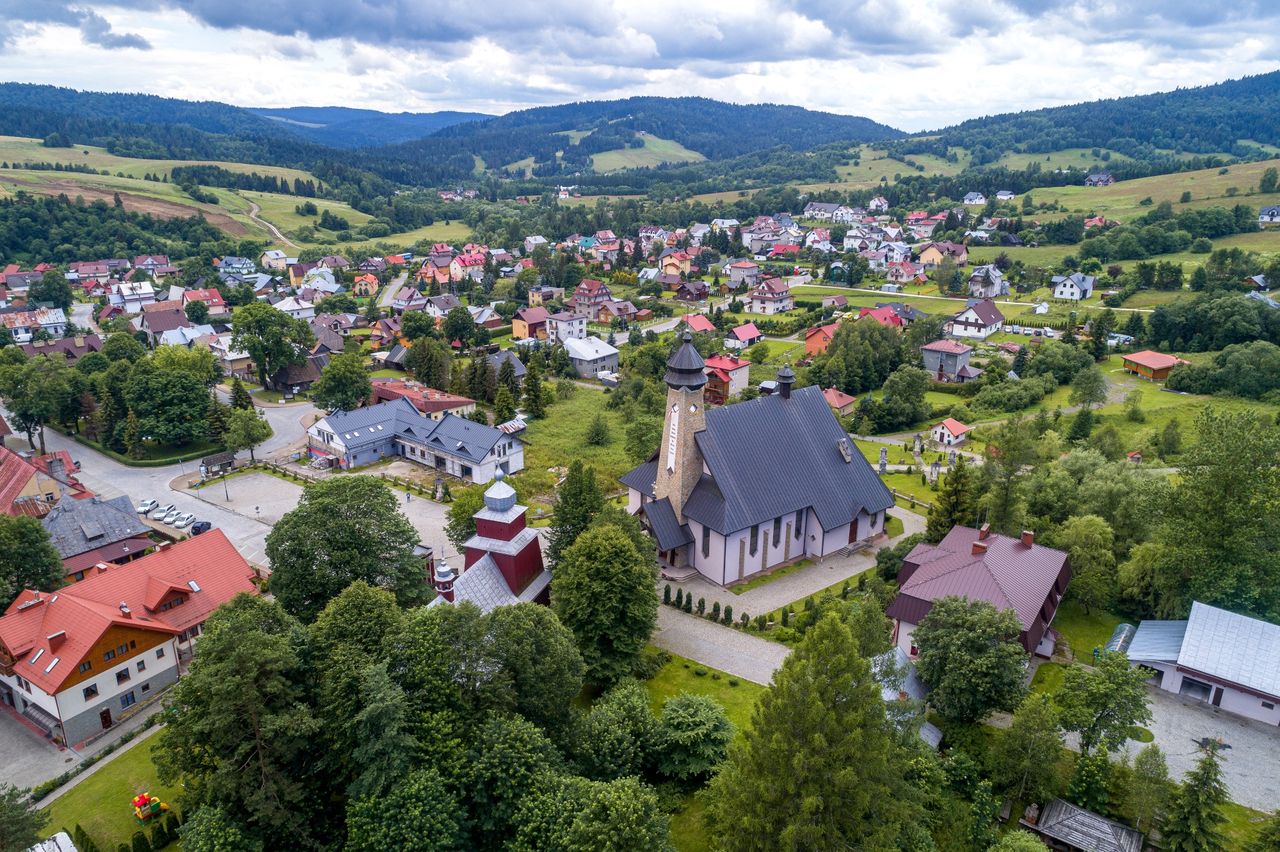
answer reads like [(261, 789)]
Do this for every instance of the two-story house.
[(563, 325), (980, 319), (771, 296), (948, 361)]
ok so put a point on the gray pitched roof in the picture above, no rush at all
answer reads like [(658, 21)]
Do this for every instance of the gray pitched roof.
[(484, 585), (668, 531), (1157, 641), (1232, 647), (771, 457), (463, 437), (397, 418), (497, 358), (78, 526), (1082, 829)]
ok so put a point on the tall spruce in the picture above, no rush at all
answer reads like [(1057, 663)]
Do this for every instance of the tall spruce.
[(956, 503), (534, 406), (819, 767), (1195, 818), (577, 501)]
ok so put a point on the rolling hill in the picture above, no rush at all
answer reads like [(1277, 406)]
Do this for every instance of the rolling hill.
[(343, 127)]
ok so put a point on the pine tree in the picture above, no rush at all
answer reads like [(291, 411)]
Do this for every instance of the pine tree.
[(1020, 361), (133, 436), (217, 419), (956, 503), (240, 397), (504, 405), (819, 767), (1194, 821), (578, 501), (1081, 426), (507, 378), (534, 406), (598, 432)]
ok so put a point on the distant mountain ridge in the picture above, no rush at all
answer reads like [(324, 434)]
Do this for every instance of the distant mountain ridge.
[(346, 127)]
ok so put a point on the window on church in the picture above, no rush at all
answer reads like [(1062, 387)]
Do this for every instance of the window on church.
[(777, 530), (706, 540), (755, 539), (799, 520)]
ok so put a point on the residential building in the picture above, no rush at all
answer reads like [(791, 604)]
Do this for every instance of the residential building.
[(840, 303), (979, 320), (1226, 660), (1005, 195), (429, 401), (742, 337), (296, 308), (439, 306), (408, 298), (541, 294), (696, 290), (724, 224), (365, 284), (841, 403), (974, 199), (1268, 216), (884, 316), (879, 204), (212, 300), (24, 325), (233, 362), (80, 660), (819, 210), (563, 325), (274, 260), (589, 296), (229, 265), (506, 356), (502, 562), (727, 376), (590, 356), (155, 323), (396, 429), (1077, 286), (184, 335), (529, 324), (699, 323), (950, 433), (932, 254), (149, 263), (30, 486), (1099, 179), (1008, 573), (1151, 365), (70, 348), (729, 514), (818, 338), (771, 296), (86, 532), (532, 242), (613, 309), (948, 361), (987, 282)]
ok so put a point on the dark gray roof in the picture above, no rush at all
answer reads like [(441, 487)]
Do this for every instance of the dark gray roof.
[(771, 457), (1156, 642), (78, 526), (397, 418), (641, 478), (685, 366), (397, 355), (498, 357), (1082, 829), (462, 437), (668, 531)]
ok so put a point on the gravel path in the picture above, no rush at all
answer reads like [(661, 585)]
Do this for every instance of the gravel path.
[(739, 654)]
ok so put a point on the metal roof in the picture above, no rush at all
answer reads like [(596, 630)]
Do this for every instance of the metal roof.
[(668, 531), (1157, 642), (588, 348), (386, 421), (1232, 647)]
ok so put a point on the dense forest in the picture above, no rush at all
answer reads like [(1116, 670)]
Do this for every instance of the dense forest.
[(1203, 120), (59, 230), (343, 127)]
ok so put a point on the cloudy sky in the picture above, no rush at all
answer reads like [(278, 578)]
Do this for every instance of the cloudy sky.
[(913, 64)]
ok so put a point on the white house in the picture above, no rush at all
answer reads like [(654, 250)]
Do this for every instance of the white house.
[(296, 308), (950, 433), (1005, 195), (564, 326), (980, 320), (879, 204), (591, 356), (1269, 216), (1076, 287), (1226, 660), (974, 199), (724, 224), (987, 282), (130, 296), (23, 325), (771, 296)]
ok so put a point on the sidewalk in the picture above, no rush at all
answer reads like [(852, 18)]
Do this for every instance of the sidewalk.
[(732, 651)]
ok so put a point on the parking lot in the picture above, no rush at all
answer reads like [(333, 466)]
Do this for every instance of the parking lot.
[(28, 757)]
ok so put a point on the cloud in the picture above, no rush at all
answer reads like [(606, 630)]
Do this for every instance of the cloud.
[(18, 17)]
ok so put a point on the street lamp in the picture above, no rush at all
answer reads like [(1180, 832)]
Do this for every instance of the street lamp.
[(225, 492)]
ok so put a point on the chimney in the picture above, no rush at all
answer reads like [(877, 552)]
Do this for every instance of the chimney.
[(124, 610), (984, 531), (55, 640), (443, 580), (1028, 538), (57, 469), (979, 548)]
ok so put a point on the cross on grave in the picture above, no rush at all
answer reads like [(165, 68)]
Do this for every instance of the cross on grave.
[(933, 471), (951, 458), (884, 459)]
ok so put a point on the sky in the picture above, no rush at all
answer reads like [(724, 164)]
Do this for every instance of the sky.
[(912, 64)]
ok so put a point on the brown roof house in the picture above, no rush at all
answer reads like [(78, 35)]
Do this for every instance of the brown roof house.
[(1008, 573)]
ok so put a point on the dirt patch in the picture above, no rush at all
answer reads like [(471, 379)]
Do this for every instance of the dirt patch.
[(157, 207)]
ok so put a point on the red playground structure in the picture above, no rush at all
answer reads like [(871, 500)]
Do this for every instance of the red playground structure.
[(148, 808)]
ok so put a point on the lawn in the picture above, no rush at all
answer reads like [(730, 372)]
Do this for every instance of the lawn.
[(100, 803), (909, 484), (679, 676), (894, 527), (1084, 631), (655, 152), (1241, 826), (559, 438), (1048, 678)]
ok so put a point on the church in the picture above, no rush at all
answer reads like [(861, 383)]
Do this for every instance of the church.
[(742, 489)]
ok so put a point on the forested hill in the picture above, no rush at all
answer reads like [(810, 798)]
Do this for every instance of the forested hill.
[(343, 127), (1202, 120)]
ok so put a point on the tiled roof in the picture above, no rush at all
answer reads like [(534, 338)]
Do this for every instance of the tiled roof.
[(1232, 647), (85, 610), (837, 398), (951, 347), (699, 323), (1153, 360), (1009, 575)]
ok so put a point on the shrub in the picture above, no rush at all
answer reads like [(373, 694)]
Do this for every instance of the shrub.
[(844, 590), (715, 675), (715, 611), (700, 672), (650, 662), (728, 615), (666, 594), (679, 598), (746, 619), (786, 616), (140, 842), (702, 605), (761, 621), (733, 681)]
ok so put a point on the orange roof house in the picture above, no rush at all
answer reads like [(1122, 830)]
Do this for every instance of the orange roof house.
[(31, 487), (818, 338), (841, 403), (699, 323), (75, 661), (1151, 365)]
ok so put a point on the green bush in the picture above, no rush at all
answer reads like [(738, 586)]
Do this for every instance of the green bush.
[(666, 594), (733, 681), (679, 598), (140, 842), (688, 603), (715, 611), (728, 615), (702, 605), (700, 672)]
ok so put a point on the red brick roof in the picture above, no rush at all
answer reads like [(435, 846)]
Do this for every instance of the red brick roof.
[(425, 399), (837, 398), (82, 612), (727, 362), (887, 317), (955, 427)]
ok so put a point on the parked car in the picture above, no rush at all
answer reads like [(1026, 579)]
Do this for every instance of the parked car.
[(200, 527), (184, 520), (171, 516), (147, 505), (158, 513)]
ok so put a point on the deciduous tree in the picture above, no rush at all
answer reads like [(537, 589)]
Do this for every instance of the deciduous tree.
[(1090, 544), (28, 560), (419, 814), (539, 656), (272, 338), (1149, 788), (344, 383), (1102, 703), (1025, 759), (970, 656), (246, 429)]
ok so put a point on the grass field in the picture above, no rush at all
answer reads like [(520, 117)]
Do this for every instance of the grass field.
[(1080, 158), (280, 210), (100, 803), (20, 149), (655, 152), (558, 439)]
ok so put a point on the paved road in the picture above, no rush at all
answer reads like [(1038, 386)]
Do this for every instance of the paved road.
[(389, 292), (890, 296), (254, 210), (27, 757), (82, 316)]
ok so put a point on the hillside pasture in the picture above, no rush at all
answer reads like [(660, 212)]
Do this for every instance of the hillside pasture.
[(655, 152)]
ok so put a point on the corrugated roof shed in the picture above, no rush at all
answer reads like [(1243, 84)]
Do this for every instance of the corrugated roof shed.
[(1157, 642), (1232, 647)]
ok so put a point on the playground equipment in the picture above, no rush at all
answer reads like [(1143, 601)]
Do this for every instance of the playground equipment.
[(148, 808)]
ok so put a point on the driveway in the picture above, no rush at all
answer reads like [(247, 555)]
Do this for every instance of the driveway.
[(27, 757), (389, 292), (1249, 766), (733, 651)]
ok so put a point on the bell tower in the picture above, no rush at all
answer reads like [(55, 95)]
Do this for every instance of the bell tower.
[(679, 462)]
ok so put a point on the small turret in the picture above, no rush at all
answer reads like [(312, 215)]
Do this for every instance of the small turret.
[(443, 580), (786, 379), (685, 367)]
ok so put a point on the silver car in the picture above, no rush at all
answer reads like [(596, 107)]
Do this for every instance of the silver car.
[(158, 513), (146, 506), (171, 516), (184, 520)]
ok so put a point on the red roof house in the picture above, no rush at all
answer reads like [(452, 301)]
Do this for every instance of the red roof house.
[(699, 323), (818, 338), (841, 403), (886, 316), (1152, 365)]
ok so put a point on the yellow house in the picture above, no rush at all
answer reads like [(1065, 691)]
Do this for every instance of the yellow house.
[(933, 253), (31, 487), (529, 323), (675, 263)]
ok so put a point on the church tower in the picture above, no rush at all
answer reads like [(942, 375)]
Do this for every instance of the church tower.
[(679, 462)]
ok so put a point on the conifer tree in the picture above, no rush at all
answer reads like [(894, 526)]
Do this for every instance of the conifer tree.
[(534, 406), (578, 501), (1194, 821), (240, 394), (956, 503)]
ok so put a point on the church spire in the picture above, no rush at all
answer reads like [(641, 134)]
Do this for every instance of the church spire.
[(685, 366), (679, 462)]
